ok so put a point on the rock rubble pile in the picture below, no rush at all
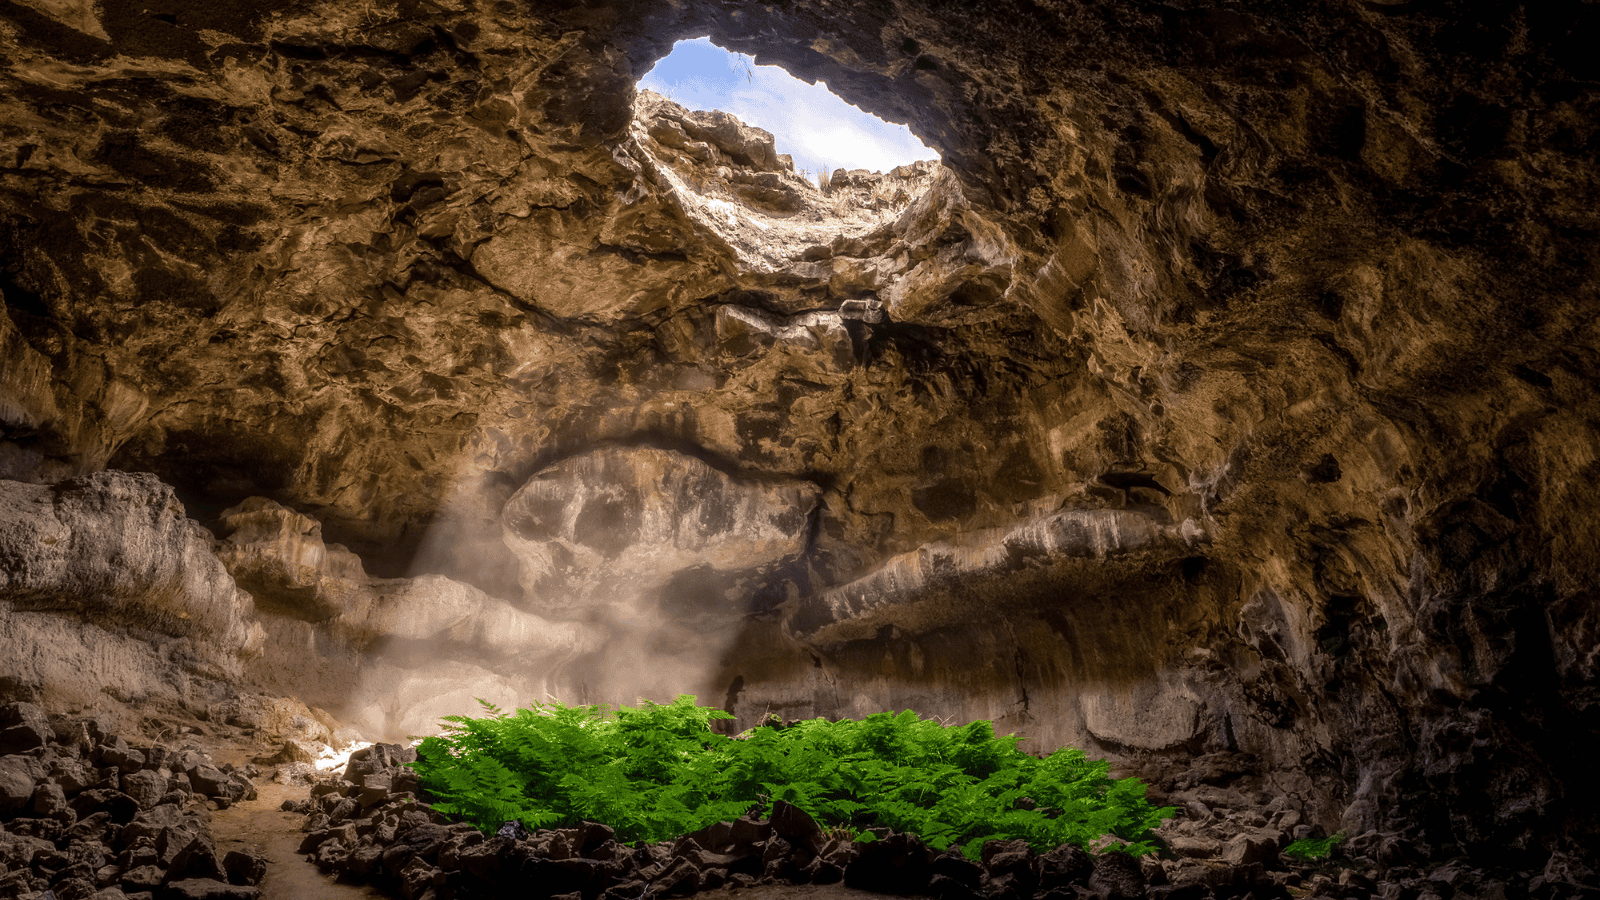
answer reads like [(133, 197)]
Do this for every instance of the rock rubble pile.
[(85, 815), (373, 824)]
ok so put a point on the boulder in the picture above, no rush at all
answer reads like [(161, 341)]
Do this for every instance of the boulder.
[(18, 776), (244, 867), (23, 727), (147, 787), (1117, 876), (116, 752), (897, 864), (120, 807), (1064, 866), (1252, 846), (198, 859), (50, 802), (795, 825)]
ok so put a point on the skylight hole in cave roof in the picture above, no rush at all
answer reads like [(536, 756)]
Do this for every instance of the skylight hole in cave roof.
[(809, 122)]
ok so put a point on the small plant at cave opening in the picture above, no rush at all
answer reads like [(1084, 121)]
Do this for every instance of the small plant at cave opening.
[(658, 771), (1313, 849)]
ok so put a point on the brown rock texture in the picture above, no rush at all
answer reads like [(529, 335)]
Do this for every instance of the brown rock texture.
[(1231, 389), (117, 549)]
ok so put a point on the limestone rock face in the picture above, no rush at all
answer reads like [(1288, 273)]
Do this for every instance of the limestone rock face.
[(1230, 388), (317, 598), (621, 522), (116, 547)]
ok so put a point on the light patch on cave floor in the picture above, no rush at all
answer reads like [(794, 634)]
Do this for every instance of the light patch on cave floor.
[(809, 122)]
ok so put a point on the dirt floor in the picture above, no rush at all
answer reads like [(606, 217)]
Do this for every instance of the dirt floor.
[(260, 826)]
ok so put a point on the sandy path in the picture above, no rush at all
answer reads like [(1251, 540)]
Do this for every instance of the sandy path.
[(259, 825)]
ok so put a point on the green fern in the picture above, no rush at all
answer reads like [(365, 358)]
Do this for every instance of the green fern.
[(658, 771), (1313, 849)]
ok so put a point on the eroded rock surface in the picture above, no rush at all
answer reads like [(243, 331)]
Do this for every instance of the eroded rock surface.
[(617, 524), (116, 548), (443, 642)]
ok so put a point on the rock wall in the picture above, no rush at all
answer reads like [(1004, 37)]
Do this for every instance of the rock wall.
[(1231, 389)]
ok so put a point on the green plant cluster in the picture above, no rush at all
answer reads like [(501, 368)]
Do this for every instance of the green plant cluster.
[(1313, 849), (658, 771)]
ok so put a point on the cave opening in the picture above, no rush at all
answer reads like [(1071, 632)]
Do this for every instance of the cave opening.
[(817, 128)]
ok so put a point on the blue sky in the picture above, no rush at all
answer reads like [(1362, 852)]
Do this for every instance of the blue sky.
[(809, 122)]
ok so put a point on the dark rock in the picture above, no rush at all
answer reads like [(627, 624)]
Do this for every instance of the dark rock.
[(18, 777), (333, 854), (48, 829), (158, 757), (626, 890), (418, 877), (146, 787), (1117, 875), (898, 864), (198, 860), (20, 883), (1065, 865), (292, 751), (342, 809), (484, 861), (328, 789), (947, 888), (1267, 320), (121, 807), (746, 831), (75, 886), (776, 850), (363, 860), (151, 822), (419, 841), (143, 878), (1252, 846), (796, 826), (244, 868), (825, 872), (716, 837), (49, 801), (679, 880), (23, 727), (952, 864), (211, 782), (594, 834), (206, 889), (116, 752), (1177, 892), (72, 775)]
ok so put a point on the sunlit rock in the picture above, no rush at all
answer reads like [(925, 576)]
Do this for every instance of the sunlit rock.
[(619, 522), (116, 547)]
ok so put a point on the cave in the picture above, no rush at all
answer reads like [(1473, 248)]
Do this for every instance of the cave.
[(1222, 402)]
